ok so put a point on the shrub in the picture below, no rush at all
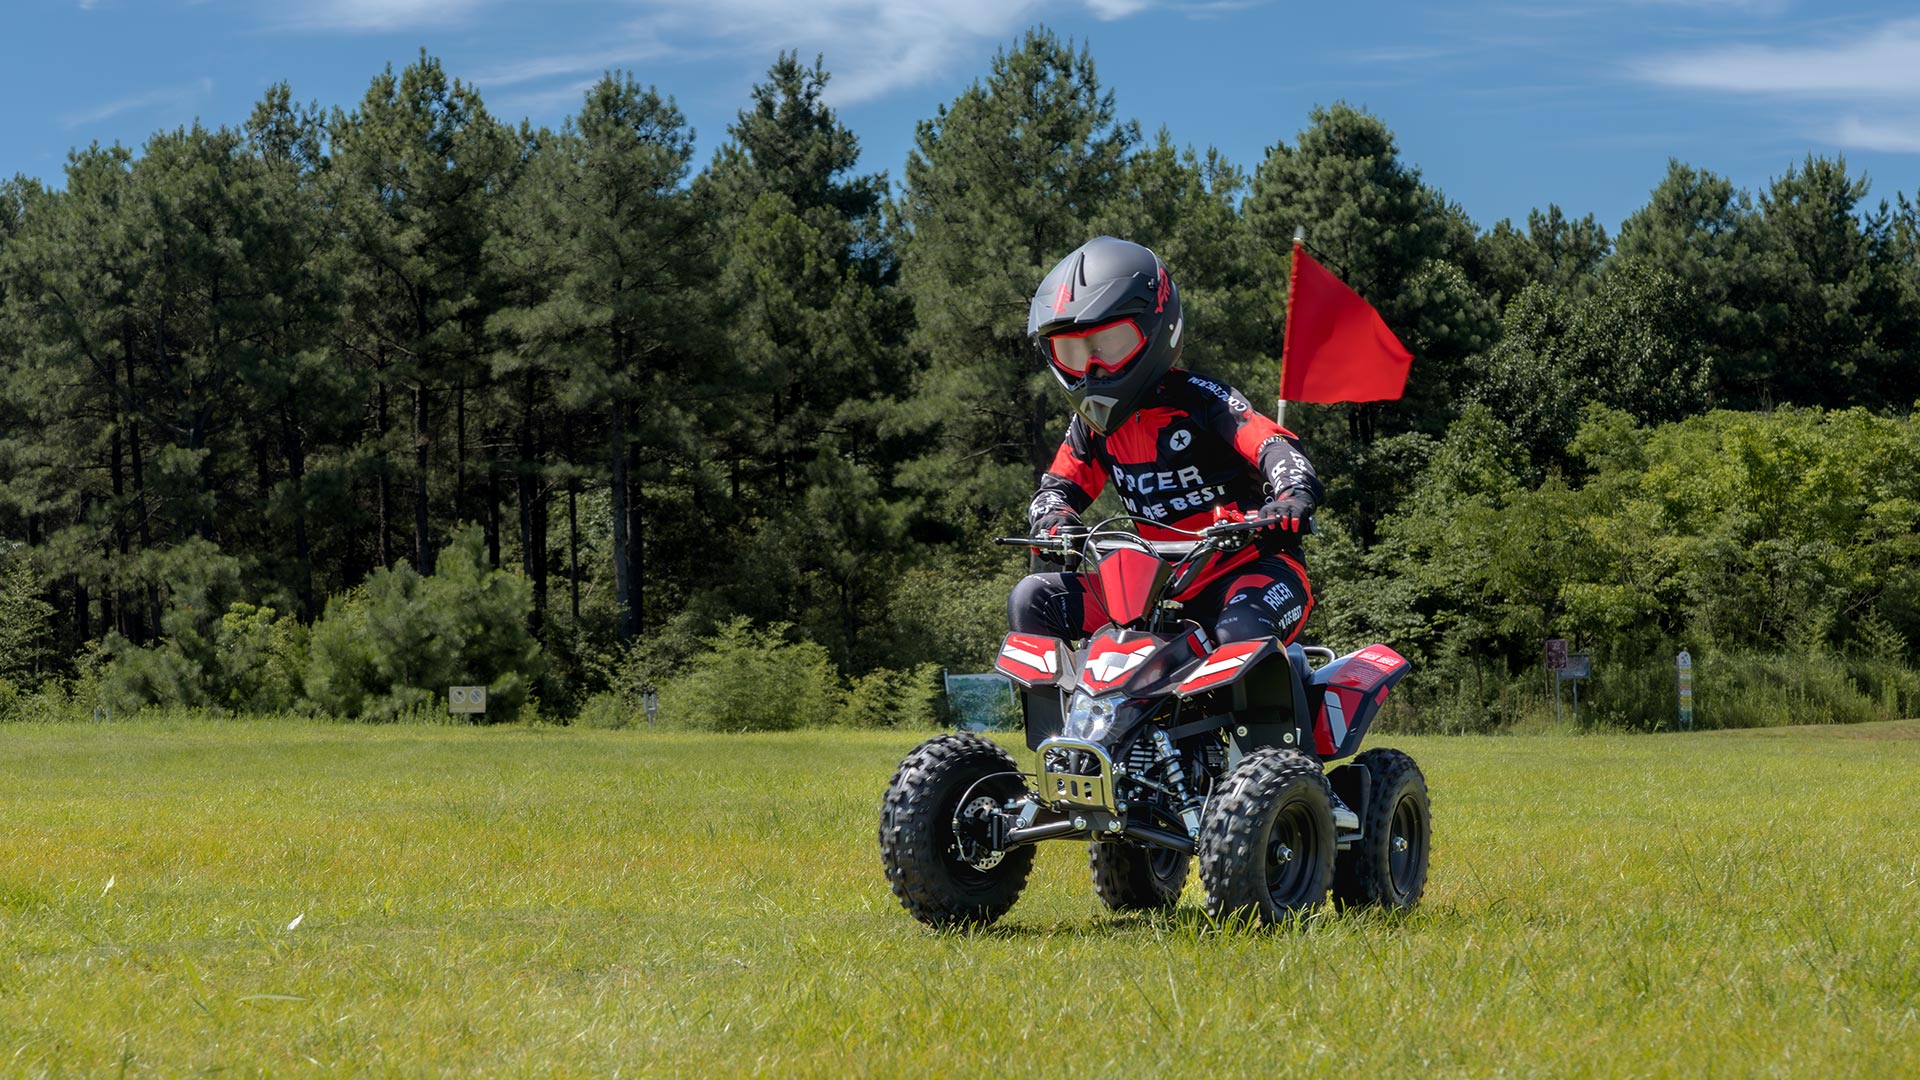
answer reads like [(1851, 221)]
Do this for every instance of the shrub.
[(393, 645), (885, 698), (608, 711), (748, 679), (250, 660)]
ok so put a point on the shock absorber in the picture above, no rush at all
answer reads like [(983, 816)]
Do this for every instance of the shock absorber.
[(1177, 780)]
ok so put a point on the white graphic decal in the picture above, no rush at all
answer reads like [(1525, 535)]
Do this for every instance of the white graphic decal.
[(1213, 667), (1181, 440), (1109, 666), (1050, 663), (1336, 718)]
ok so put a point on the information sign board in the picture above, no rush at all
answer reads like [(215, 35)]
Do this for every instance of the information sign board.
[(466, 699)]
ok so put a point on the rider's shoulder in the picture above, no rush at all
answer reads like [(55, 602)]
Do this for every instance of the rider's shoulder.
[(1182, 385)]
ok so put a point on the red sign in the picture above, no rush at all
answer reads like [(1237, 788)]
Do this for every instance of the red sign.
[(1556, 654)]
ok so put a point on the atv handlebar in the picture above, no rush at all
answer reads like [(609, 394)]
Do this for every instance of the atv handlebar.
[(1068, 540)]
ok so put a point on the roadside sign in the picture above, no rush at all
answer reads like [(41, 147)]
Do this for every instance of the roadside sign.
[(1573, 668), (466, 699), (1556, 653), (651, 699), (1686, 691)]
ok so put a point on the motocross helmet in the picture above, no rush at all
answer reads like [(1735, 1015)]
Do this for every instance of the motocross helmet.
[(1107, 322)]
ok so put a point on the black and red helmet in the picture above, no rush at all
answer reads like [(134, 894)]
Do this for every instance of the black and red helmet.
[(1107, 322)]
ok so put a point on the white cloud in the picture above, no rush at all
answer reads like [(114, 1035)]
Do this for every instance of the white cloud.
[(1884, 64), (566, 98), (382, 14), (1875, 73), (1756, 7), (640, 49), (872, 47), (1900, 136), (169, 98)]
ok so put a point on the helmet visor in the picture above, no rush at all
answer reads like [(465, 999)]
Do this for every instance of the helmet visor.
[(1110, 345)]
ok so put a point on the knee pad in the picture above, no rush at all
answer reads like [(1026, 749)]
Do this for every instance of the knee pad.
[(1027, 607), (1243, 622)]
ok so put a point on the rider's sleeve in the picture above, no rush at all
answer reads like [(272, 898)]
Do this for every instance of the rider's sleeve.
[(1074, 479), (1270, 449)]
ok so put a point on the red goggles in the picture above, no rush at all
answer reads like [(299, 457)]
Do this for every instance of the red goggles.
[(1110, 345)]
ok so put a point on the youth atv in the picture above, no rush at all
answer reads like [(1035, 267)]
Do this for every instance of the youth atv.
[(1155, 746)]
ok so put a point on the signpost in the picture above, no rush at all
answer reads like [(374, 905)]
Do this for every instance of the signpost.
[(466, 699), (1556, 663), (1686, 691), (651, 699), (1579, 666)]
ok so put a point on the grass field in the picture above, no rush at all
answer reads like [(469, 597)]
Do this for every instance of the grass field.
[(289, 898)]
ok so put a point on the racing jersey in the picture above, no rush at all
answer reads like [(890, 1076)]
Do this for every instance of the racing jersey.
[(1196, 445)]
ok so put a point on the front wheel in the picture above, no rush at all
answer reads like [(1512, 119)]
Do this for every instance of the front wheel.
[(1266, 840), (1132, 876), (1388, 865), (933, 828)]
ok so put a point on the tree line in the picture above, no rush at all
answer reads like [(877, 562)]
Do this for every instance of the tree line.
[(264, 365)]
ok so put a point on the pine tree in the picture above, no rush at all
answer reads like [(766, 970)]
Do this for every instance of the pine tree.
[(1185, 207), (1398, 243), (1001, 184), (607, 224), (414, 171), (814, 328)]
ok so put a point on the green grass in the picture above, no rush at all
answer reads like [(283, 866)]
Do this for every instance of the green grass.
[(538, 901)]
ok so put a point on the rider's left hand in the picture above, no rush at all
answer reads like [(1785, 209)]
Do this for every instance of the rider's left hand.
[(1288, 513)]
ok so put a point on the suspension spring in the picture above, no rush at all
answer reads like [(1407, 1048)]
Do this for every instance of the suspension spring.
[(1177, 779)]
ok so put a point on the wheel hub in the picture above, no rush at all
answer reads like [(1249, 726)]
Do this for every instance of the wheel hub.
[(972, 829)]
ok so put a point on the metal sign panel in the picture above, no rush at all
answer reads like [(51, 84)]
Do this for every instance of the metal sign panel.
[(983, 702), (466, 699), (1578, 666), (1556, 653)]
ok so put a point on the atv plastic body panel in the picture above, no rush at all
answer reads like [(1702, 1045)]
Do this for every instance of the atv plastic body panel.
[(1345, 696), (1034, 660)]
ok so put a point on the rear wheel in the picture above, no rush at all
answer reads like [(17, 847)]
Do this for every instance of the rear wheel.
[(1266, 842), (933, 832), (1388, 864), (1131, 876)]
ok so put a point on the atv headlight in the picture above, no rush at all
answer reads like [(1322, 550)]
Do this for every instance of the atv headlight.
[(1089, 717)]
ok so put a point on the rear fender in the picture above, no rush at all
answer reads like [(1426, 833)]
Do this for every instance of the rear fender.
[(1345, 696)]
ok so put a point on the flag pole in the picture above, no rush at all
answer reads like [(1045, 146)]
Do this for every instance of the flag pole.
[(1280, 410)]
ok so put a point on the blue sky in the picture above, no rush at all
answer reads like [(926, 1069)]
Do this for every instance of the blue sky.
[(1504, 106)]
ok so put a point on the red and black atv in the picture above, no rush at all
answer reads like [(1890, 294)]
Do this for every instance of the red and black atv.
[(1156, 746)]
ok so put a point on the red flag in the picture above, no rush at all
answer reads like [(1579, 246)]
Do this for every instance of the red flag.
[(1337, 347)]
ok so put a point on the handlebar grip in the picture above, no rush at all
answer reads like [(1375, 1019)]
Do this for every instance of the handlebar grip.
[(1226, 528)]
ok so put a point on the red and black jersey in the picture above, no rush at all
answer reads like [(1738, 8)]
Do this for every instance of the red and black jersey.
[(1197, 444)]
